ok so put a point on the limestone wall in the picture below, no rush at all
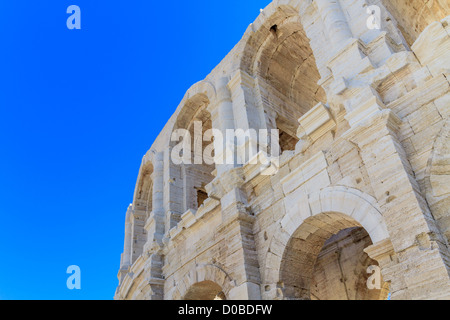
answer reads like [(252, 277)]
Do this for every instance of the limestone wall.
[(364, 128)]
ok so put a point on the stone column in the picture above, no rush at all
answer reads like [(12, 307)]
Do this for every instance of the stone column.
[(423, 263), (237, 229), (155, 223), (335, 22), (173, 182), (222, 120), (155, 230), (138, 240), (125, 262), (247, 114)]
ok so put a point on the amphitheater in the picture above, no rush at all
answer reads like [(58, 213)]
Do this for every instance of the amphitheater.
[(359, 93)]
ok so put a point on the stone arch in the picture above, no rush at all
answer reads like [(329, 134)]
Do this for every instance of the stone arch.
[(205, 290), (318, 216), (205, 89), (141, 207), (197, 171), (281, 58), (144, 188), (189, 178), (437, 180), (203, 92), (339, 270), (281, 12), (413, 16), (206, 276)]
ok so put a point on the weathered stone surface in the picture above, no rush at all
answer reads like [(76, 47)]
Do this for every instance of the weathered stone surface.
[(362, 182)]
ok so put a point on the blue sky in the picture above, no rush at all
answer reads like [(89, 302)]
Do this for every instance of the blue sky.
[(78, 110)]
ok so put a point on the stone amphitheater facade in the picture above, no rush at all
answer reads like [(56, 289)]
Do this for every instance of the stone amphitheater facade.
[(363, 181)]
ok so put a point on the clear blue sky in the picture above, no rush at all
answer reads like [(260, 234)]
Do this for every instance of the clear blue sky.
[(78, 110)]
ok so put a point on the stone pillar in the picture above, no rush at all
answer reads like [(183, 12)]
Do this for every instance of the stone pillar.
[(125, 262), (222, 120), (237, 229), (247, 114), (155, 230), (155, 223), (391, 269), (423, 270), (335, 22), (138, 240), (174, 198)]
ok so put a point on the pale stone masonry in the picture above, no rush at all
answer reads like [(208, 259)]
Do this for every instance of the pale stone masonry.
[(363, 179)]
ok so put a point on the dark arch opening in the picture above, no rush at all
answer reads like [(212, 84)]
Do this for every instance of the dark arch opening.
[(283, 63), (190, 179), (205, 290), (143, 206), (325, 260)]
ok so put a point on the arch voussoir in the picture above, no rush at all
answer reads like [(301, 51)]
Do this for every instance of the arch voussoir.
[(200, 274), (329, 213)]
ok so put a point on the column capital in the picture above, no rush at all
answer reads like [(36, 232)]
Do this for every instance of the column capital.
[(377, 124), (316, 122), (381, 250)]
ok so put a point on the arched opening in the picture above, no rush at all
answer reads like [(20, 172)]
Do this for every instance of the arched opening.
[(142, 207), (205, 290), (413, 16), (201, 171), (198, 168), (285, 70), (325, 260), (144, 193)]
